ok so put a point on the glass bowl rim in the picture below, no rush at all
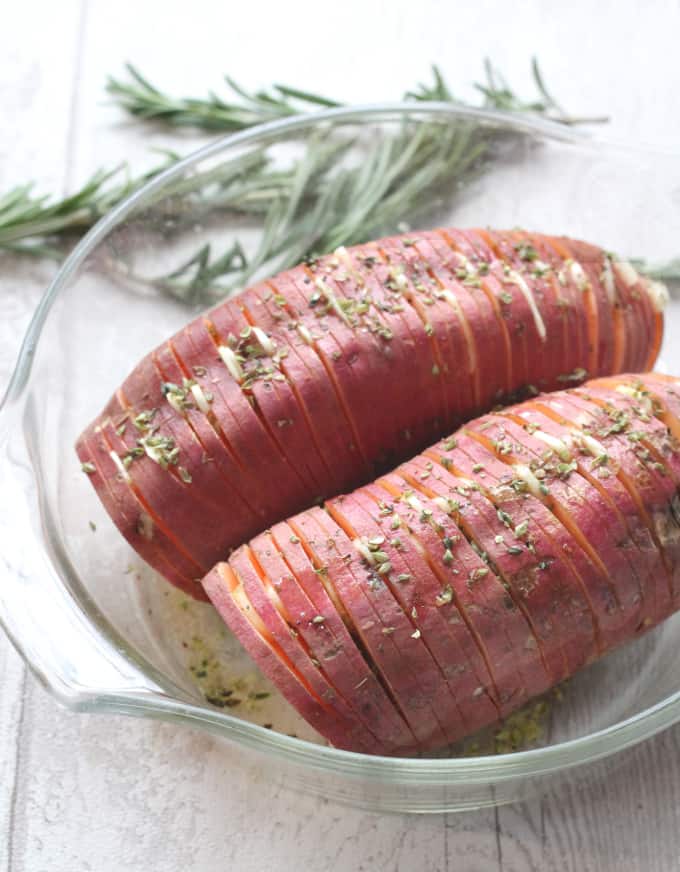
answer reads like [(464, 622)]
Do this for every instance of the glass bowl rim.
[(469, 770)]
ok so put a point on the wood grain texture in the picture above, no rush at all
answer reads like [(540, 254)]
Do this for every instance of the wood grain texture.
[(105, 793), (35, 100)]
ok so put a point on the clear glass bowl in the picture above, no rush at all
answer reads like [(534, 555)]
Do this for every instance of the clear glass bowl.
[(104, 634)]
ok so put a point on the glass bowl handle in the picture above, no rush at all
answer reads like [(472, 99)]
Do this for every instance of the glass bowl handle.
[(61, 645)]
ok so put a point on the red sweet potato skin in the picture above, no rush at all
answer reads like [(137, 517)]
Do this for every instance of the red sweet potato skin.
[(219, 588), (488, 568), (313, 616), (576, 503), (433, 624), (293, 390)]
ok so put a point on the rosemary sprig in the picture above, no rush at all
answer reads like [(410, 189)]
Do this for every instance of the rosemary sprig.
[(140, 98), (500, 96), (311, 205), (200, 271), (663, 272), (41, 225)]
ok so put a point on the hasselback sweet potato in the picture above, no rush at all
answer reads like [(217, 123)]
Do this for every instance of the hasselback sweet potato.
[(312, 382), (476, 575)]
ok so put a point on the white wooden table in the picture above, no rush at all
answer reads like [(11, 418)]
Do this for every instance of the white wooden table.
[(91, 793)]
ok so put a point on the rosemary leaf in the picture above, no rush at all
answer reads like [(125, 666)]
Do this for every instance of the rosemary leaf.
[(200, 270), (663, 272)]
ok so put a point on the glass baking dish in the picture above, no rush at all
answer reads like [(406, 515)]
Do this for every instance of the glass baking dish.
[(103, 633)]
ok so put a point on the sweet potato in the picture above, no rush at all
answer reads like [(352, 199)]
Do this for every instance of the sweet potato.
[(633, 539), (430, 683), (649, 485), (380, 622), (118, 498), (520, 559), (481, 572), (344, 660), (576, 504), (223, 588), (522, 671), (314, 381), (377, 535), (331, 434), (467, 671)]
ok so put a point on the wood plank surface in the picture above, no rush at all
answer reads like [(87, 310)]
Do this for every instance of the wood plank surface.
[(111, 794)]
